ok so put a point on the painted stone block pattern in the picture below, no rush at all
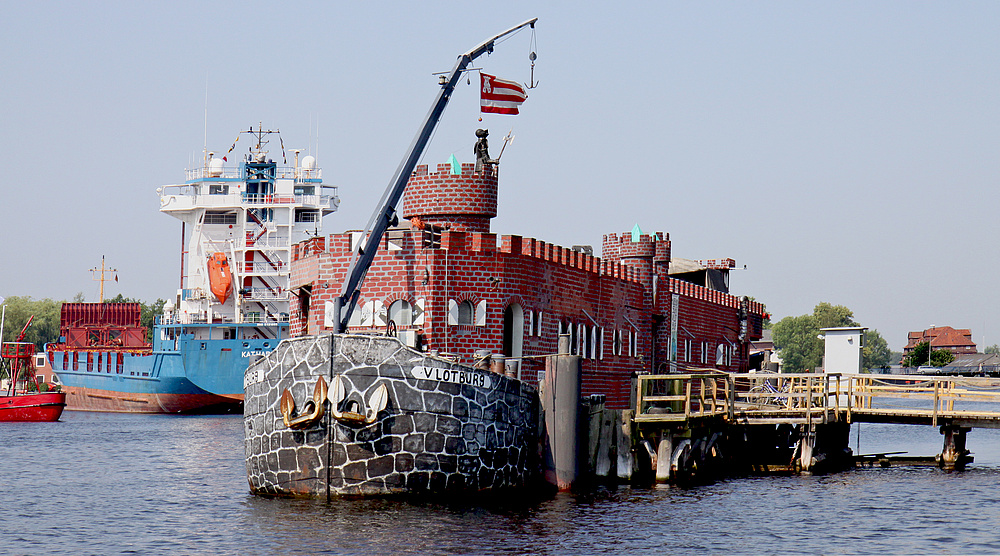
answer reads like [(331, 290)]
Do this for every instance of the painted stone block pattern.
[(445, 427)]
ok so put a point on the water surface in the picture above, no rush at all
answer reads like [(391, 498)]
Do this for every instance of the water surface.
[(151, 484)]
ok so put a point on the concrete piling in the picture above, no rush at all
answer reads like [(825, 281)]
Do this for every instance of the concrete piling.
[(954, 456), (561, 406)]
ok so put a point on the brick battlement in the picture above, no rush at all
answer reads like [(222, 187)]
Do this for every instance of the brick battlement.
[(656, 246), (463, 202), (695, 291), (478, 242)]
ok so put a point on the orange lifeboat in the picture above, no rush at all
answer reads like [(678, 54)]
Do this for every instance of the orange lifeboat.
[(220, 278)]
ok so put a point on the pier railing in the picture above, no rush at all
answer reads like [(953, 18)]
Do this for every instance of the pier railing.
[(925, 399), (807, 398), (679, 398)]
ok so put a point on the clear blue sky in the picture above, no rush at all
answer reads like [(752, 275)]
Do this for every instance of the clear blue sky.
[(844, 152)]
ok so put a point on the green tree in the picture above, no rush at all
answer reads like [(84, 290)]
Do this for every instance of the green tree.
[(797, 338), (992, 349), (876, 353), (44, 327), (800, 349), (896, 358), (833, 316), (918, 357)]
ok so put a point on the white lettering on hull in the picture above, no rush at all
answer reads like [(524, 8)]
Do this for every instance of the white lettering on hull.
[(478, 379)]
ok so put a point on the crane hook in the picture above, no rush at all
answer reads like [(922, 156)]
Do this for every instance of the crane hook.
[(534, 83)]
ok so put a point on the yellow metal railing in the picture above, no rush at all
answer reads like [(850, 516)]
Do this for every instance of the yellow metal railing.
[(814, 397), (910, 395), (683, 397)]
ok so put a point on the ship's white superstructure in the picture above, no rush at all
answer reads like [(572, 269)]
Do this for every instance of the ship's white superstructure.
[(252, 213)]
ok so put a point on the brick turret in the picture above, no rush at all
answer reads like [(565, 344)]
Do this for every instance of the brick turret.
[(462, 203), (638, 255)]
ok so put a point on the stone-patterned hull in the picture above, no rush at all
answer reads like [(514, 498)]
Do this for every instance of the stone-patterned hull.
[(445, 427)]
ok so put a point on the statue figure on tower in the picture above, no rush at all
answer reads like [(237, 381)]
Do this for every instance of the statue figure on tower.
[(482, 150)]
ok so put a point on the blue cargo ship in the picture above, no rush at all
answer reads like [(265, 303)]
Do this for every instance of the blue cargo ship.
[(238, 225)]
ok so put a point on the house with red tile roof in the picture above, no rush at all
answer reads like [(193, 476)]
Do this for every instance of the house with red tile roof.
[(942, 337)]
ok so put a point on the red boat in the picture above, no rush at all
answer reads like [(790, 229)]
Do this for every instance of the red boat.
[(32, 406), (19, 402)]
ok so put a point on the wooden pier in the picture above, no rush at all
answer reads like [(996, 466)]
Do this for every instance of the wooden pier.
[(672, 410)]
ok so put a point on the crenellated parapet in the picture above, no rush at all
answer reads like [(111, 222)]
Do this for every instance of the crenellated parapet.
[(647, 255), (475, 243), (461, 202)]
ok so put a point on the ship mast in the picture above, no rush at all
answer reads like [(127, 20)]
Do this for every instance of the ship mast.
[(102, 279)]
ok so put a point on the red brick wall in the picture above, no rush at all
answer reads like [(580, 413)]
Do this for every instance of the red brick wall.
[(627, 291), (464, 202), (564, 285)]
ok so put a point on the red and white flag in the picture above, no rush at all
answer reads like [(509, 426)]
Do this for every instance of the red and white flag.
[(499, 96)]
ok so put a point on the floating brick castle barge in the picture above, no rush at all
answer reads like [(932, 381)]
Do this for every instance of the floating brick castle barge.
[(342, 411), (445, 290)]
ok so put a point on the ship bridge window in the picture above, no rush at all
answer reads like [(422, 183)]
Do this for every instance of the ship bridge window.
[(220, 217), (306, 215), (218, 189), (305, 189)]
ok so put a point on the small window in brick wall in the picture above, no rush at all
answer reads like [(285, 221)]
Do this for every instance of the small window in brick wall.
[(687, 351), (616, 342), (720, 355), (465, 313), (534, 323), (704, 353), (633, 343)]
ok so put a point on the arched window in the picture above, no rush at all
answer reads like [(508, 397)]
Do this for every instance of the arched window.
[(466, 312), (513, 330), (401, 313)]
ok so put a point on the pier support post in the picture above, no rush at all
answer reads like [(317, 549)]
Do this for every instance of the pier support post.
[(664, 455), (626, 461), (561, 406), (824, 447), (954, 456)]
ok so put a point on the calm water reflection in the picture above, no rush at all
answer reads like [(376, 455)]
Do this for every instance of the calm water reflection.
[(111, 484)]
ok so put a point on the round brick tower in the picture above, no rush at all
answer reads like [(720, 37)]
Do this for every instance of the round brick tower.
[(461, 202), (639, 256)]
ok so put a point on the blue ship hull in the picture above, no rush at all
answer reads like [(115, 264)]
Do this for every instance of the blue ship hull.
[(178, 375)]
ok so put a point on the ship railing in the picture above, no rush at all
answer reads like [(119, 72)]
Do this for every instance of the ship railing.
[(256, 317), (236, 172), (250, 317), (320, 201), (268, 241), (264, 294), (227, 172), (275, 267)]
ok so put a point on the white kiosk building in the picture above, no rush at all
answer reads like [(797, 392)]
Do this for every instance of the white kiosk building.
[(843, 347)]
